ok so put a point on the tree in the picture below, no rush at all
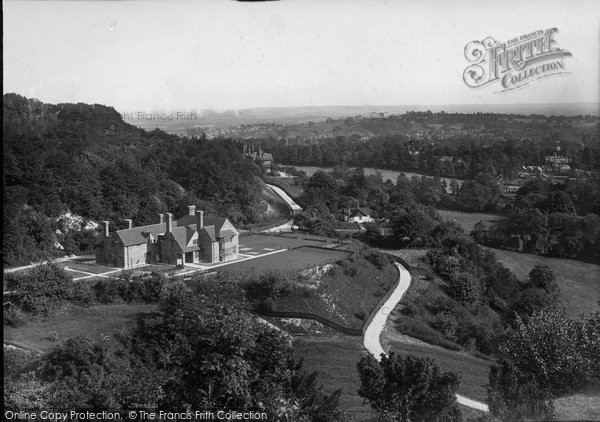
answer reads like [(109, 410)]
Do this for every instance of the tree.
[(515, 396), (559, 352), (408, 389), (40, 289), (542, 277), (559, 201), (465, 287)]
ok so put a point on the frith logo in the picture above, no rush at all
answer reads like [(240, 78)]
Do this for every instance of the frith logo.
[(514, 63)]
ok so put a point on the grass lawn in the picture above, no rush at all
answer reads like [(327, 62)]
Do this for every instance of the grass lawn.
[(87, 267), (579, 282), (287, 262), (261, 243), (467, 220), (335, 358), (92, 322)]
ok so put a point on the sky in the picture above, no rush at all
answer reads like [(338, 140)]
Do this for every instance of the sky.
[(222, 54)]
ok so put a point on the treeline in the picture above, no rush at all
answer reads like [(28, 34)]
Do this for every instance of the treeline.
[(86, 160), (544, 220), (468, 156)]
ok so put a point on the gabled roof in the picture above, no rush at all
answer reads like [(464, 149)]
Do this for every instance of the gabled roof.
[(182, 230), (361, 211), (138, 235), (183, 235), (190, 220)]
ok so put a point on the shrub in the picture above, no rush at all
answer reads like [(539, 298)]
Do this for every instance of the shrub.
[(409, 309), (408, 389), (446, 323), (441, 304), (464, 287), (107, 291), (377, 259), (40, 289), (14, 317), (514, 396)]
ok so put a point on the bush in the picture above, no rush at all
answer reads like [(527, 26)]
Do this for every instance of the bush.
[(464, 287), (409, 389), (514, 396), (107, 291), (441, 304), (40, 289), (409, 310), (377, 259), (446, 323), (14, 317)]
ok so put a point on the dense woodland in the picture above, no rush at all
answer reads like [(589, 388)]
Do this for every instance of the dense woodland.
[(470, 156), (85, 160)]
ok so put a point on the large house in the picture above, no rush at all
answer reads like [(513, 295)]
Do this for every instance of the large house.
[(191, 239)]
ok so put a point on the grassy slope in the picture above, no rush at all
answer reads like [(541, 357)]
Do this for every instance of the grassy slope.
[(578, 407), (343, 298), (92, 322), (579, 282), (467, 220), (335, 357)]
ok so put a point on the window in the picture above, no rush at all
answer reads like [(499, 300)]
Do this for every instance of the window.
[(195, 242)]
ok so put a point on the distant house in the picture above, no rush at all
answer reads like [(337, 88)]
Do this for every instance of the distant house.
[(358, 215), (258, 155), (191, 239)]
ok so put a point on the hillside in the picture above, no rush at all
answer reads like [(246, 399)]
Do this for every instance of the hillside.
[(86, 160)]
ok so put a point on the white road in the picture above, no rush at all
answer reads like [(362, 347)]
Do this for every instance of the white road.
[(287, 226), (286, 198), (375, 328)]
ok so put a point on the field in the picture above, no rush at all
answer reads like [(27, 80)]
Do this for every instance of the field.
[(579, 282), (335, 358), (287, 262), (92, 322), (467, 220)]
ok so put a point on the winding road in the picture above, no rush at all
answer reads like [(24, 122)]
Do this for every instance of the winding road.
[(375, 328), (287, 226)]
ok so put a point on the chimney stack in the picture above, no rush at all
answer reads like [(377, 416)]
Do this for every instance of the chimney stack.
[(129, 223), (161, 218), (106, 229), (169, 223), (199, 220), (191, 209)]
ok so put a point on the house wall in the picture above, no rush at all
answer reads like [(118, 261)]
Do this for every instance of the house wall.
[(135, 255), (110, 253), (361, 219), (215, 252), (205, 244)]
